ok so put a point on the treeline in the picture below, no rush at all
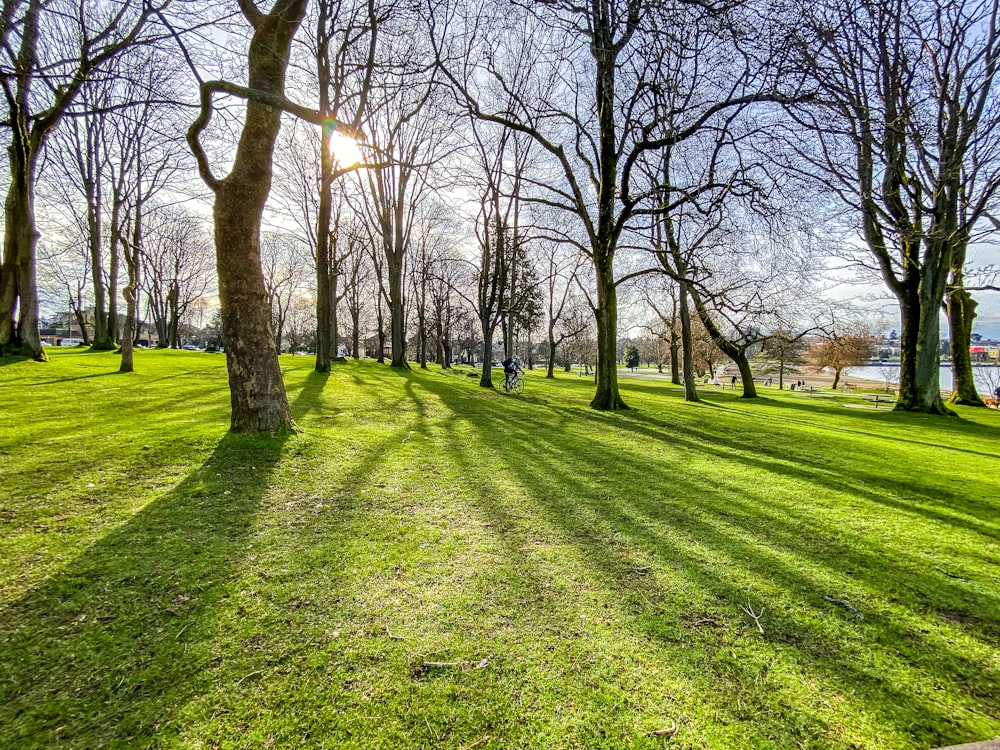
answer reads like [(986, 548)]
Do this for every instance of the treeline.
[(427, 175)]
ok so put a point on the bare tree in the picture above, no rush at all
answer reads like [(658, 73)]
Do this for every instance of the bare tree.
[(409, 137), (905, 133), (847, 349), (346, 45), (578, 79), (176, 253), (559, 276), (257, 391), (41, 82), (285, 266), (148, 159)]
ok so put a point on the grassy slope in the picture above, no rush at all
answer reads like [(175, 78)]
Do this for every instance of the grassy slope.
[(163, 584)]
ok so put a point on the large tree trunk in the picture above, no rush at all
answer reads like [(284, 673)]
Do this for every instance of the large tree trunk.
[(961, 313), (18, 292), (607, 397), (746, 374), (486, 380), (550, 371), (129, 292), (257, 392), (397, 315), (687, 343), (920, 346), (102, 340), (323, 317)]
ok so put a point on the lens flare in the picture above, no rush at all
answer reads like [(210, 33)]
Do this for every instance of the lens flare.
[(345, 151)]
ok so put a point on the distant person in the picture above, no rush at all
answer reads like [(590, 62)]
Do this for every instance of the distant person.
[(768, 382), (996, 395), (734, 382)]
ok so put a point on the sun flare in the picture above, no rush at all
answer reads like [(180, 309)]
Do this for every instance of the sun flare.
[(345, 151)]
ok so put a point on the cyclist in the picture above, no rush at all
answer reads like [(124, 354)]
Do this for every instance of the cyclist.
[(511, 369)]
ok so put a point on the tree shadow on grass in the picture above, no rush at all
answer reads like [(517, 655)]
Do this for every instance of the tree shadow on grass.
[(116, 641), (310, 395), (12, 359), (737, 543)]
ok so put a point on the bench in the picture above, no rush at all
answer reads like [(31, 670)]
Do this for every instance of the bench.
[(879, 398)]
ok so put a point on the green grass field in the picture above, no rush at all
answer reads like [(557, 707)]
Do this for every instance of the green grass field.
[(431, 565)]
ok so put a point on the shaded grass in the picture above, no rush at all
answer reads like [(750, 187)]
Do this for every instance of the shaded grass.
[(584, 573)]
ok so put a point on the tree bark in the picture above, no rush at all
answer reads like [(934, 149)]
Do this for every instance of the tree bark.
[(129, 292), (17, 279), (323, 292), (486, 380), (961, 312), (18, 291), (607, 397), (257, 391), (920, 342), (397, 316), (687, 342)]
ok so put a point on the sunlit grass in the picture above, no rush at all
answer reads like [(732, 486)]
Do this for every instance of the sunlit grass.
[(587, 579)]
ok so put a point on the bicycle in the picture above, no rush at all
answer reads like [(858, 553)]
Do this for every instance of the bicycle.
[(512, 383)]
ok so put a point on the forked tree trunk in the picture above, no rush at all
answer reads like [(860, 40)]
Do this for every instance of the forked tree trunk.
[(257, 391)]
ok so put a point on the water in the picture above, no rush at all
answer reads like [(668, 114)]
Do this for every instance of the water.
[(987, 376)]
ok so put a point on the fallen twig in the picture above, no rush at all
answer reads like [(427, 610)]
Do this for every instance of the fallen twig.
[(755, 615), (951, 575), (845, 605), (481, 741), (248, 676), (393, 637), (455, 664), (665, 732)]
